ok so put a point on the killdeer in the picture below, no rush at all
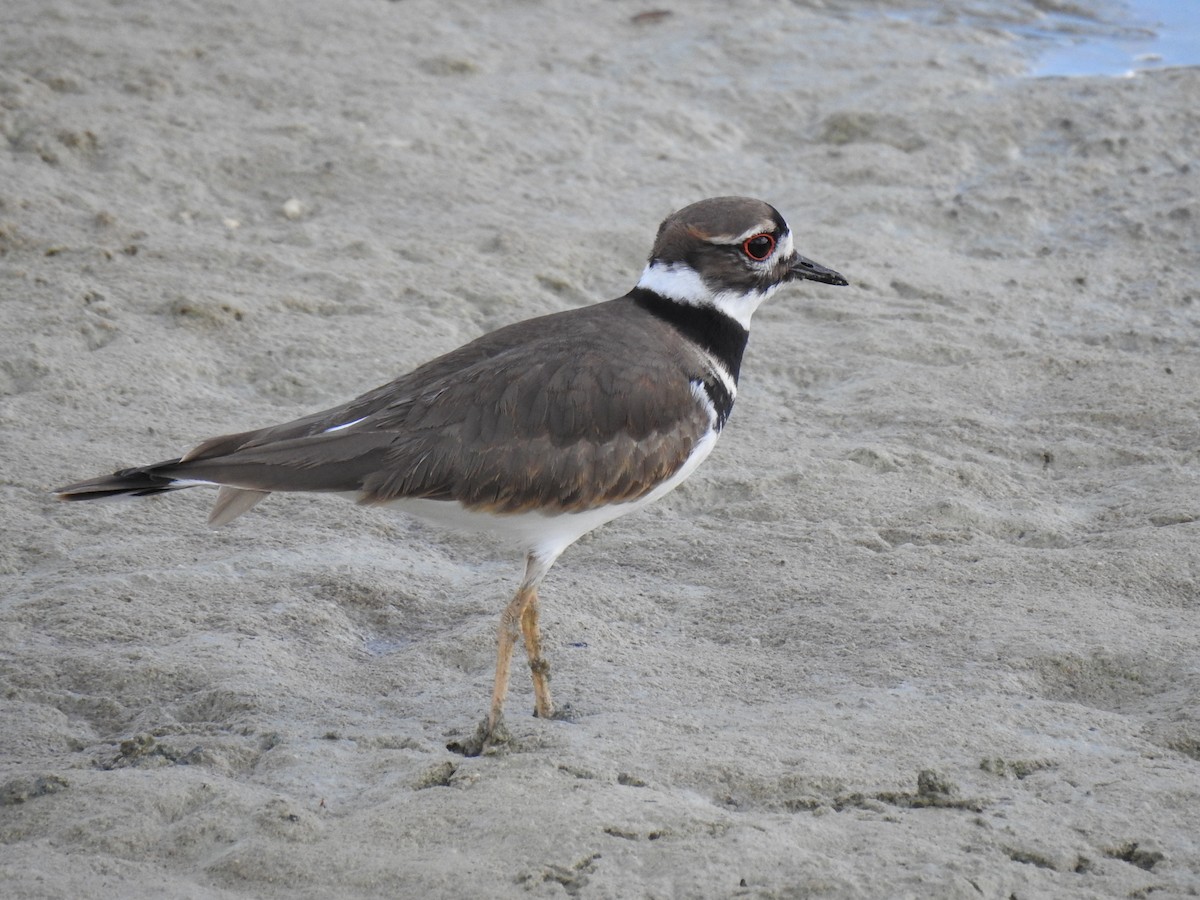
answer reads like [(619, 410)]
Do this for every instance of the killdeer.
[(538, 432)]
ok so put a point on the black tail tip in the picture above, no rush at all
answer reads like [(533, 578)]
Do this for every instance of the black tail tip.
[(141, 481)]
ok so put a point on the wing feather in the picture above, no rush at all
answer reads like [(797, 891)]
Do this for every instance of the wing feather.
[(555, 421)]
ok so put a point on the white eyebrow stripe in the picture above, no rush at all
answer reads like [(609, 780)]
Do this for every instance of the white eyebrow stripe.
[(764, 227)]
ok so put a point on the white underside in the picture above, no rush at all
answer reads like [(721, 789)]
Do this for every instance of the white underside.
[(546, 535)]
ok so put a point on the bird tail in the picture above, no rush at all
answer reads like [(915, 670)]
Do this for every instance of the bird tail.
[(140, 481), (144, 481)]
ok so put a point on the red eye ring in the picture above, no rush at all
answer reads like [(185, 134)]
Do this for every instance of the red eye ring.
[(759, 247)]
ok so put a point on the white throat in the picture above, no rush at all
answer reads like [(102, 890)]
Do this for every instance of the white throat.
[(680, 282)]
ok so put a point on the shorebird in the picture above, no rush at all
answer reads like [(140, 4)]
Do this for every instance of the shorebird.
[(538, 432)]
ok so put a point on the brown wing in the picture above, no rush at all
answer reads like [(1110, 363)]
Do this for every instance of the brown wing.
[(559, 413)]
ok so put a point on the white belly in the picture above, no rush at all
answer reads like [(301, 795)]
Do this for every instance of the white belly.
[(546, 535)]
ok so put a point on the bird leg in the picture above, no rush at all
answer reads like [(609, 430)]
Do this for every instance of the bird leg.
[(520, 617), (539, 666), (510, 629)]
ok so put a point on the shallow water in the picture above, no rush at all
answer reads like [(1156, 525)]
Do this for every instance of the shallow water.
[(1153, 34)]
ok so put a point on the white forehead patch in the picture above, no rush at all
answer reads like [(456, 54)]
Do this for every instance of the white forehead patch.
[(785, 249)]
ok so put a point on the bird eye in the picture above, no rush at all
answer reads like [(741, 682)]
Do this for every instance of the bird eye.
[(759, 247)]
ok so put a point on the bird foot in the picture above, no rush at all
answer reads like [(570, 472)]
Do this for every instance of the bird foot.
[(486, 740)]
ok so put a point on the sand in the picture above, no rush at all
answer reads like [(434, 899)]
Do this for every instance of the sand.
[(926, 624)]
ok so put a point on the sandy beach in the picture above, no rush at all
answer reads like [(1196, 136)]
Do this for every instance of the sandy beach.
[(925, 625)]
